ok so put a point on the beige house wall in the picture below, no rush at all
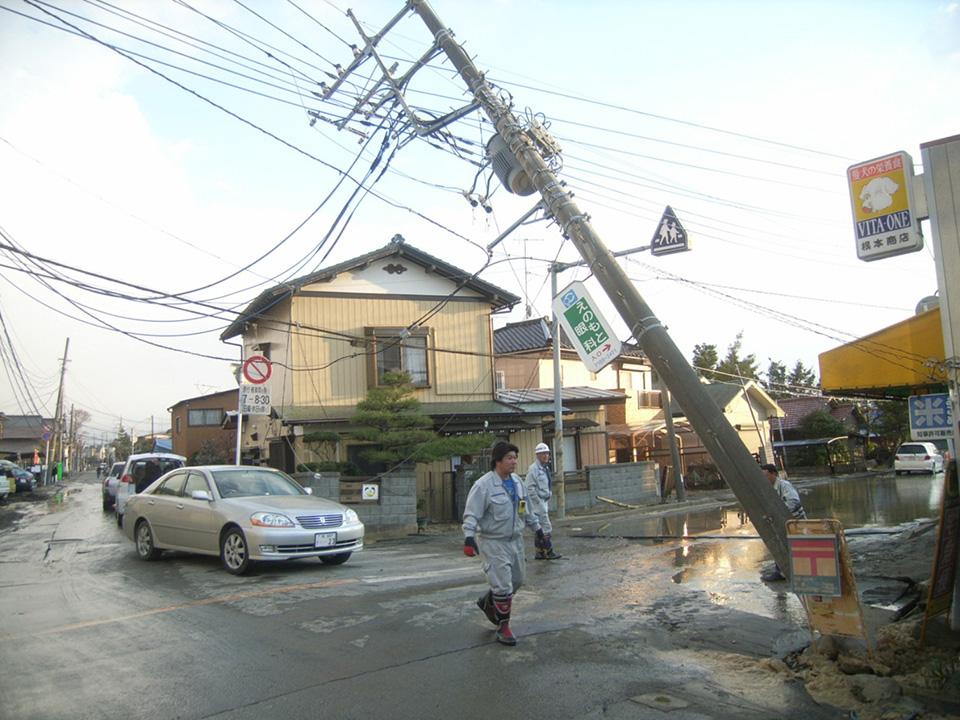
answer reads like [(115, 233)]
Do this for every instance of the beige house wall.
[(341, 378)]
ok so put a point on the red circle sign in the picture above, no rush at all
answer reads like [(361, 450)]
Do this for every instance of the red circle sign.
[(257, 369)]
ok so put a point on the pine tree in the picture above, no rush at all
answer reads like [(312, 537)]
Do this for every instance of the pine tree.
[(390, 419)]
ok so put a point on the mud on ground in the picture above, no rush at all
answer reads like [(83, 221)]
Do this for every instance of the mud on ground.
[(899, 678)]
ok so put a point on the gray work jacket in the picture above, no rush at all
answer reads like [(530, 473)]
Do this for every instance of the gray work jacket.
[(491, 514)]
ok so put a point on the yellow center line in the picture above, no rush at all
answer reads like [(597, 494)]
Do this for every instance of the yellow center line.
[(184, 606)]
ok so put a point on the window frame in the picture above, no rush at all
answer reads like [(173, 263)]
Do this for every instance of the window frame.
[(375, 335), (205, 411)]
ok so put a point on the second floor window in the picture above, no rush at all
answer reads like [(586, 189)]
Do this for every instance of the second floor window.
[(391, 352), (197, 418)]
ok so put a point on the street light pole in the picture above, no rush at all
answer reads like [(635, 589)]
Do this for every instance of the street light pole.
[(740, 470)]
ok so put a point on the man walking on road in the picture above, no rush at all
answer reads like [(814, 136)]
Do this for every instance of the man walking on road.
[(791, 498), (539, 481), (493, 518)]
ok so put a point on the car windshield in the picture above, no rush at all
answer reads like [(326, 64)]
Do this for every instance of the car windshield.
[(251, 482)]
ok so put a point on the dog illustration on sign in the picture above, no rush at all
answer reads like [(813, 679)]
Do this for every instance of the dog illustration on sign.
[(878, 194)]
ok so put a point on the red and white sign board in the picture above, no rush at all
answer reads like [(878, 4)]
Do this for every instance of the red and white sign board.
[(257, 369)]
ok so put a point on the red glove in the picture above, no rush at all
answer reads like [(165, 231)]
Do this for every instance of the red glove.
[(470, 548)]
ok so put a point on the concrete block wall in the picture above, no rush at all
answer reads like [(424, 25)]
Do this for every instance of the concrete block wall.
[(394, 513), (634, 483)]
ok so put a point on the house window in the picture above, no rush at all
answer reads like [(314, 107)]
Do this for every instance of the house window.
[(501, 380), (206, 417), (392, 351), (177, 424)]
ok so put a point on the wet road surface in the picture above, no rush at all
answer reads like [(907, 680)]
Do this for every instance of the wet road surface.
[(96, 633)]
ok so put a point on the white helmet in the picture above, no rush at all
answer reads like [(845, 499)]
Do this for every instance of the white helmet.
[(541, 448)]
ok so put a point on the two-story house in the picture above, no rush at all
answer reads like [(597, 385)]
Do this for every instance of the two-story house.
[(603, 411), (331, 335)]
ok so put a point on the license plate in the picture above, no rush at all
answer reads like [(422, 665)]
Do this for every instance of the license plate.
[(325, 540)]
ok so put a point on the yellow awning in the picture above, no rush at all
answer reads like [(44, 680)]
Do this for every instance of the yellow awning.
[(900, 360)]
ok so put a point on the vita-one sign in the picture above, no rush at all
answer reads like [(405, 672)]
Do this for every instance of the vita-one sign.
[(590, 334), (884, 217)]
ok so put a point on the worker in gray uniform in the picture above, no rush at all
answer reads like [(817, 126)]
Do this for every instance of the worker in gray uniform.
[(791, 498), (493, 520), (539, 482)]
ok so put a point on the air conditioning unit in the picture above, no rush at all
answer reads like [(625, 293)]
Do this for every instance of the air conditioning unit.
[(507, 167)]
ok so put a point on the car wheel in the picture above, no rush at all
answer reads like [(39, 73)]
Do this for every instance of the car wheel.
[(335, 559), (107, 504), (144, 539), (234, 552), (898, 472)]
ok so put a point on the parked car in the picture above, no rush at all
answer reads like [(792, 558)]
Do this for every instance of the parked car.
[(8, 483), (241, 513), (109, 487), (24, 480), (917, 456), (139, 472)]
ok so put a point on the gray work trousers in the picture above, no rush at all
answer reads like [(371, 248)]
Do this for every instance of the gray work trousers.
[(539, 508), (503, 564)]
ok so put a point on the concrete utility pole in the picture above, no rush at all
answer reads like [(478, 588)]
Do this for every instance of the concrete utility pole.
[(556, 268), (58, 415), (740, 470)]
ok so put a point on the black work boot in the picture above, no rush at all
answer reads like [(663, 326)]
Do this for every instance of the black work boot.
[(485, 603)]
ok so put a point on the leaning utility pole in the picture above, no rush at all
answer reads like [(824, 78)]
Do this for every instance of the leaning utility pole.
[(58, 416), (737, 465)]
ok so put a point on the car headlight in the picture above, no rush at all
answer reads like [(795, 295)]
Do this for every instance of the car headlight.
[(265, 519), (350, 516)]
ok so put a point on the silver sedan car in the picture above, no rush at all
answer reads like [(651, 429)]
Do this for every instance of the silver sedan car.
[(243, 514)]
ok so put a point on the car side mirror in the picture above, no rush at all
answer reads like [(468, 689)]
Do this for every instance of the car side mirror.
[(308, 490), (201, 495)]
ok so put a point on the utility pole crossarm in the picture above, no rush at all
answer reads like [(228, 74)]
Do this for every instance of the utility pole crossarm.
[(739, 469)]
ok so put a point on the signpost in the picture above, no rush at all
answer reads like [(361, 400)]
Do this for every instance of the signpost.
[(822, 575), (257, 369), (591, 335), (931, 417), (885, 220), (253, 395), (254, 400), (670, 236), (940, 595)]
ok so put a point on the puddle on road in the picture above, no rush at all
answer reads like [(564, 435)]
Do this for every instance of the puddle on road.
[(721, 544)]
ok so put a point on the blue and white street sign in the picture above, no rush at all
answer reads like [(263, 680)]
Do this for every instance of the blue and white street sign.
[(931, 417)]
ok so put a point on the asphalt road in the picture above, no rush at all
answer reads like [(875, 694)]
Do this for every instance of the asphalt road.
[(617, 629)]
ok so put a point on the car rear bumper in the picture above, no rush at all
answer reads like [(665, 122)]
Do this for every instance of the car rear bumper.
[(284, 544)]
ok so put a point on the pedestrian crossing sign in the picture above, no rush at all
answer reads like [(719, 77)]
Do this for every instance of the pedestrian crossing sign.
[(670, 236)]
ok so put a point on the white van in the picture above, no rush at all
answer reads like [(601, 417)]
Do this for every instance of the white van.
[(139, 473)]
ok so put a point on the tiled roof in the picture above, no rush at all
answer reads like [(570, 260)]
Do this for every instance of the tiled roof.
[(23, 426), (498, 297), (567, 395), (526, 335), (797, 409), (534, 334)]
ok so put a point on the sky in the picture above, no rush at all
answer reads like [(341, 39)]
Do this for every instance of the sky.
[(182, 167)]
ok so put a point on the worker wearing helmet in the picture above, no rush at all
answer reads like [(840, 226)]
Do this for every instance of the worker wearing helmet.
[(539, 482), (493, 518)]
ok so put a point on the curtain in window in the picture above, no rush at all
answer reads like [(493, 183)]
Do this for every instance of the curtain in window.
[(415, 359)]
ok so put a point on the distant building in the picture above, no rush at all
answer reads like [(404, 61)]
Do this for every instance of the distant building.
[(202, 421), (23, 435)]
